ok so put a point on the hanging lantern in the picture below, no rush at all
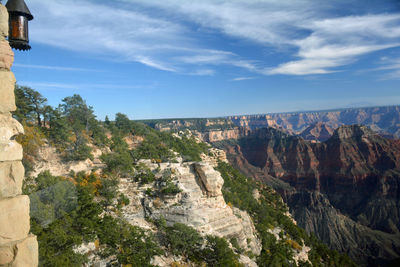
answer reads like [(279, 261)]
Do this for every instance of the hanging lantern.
[(19, 14)]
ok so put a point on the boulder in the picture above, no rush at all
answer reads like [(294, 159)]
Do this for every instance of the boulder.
[(7, 84), (210, 179), (14, 219), (11, 177)]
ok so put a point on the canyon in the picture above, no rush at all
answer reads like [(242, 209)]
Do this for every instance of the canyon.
[(337, 170), (384, 119), (345, 190)]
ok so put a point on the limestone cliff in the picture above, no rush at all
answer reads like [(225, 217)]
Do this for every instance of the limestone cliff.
[(200, 204)]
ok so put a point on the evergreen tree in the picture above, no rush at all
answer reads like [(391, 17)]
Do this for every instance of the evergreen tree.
[(30, 104), (123, 123)]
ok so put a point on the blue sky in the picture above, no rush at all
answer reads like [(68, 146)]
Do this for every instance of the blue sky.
[(208, 58)]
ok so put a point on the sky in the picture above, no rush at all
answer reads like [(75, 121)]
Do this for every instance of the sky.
[(154, 59)]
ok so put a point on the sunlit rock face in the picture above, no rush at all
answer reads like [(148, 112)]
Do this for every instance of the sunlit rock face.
[(345, 189), (200, 204)]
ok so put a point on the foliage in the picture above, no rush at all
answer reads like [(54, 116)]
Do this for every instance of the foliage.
[(31, 141), (158, 145), (143, 174), (118, 163), (59, 131), (181, 239), (31, 105), (184, 240), (63, 216), (84, 126), (218, 253), (131, 244), (123, 123), (108, 190), (166, 186), (79, 150), (195, 124)]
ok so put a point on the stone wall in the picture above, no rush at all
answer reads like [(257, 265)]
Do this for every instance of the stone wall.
[(18, 248)]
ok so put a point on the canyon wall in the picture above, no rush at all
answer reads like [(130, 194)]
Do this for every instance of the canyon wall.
[(17, 247), (346, 190), (380, 119)]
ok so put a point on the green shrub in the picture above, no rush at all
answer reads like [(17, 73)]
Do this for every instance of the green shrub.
[(143, 174)]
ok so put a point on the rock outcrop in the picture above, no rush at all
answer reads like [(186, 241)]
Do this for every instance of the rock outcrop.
[(200, 204), (345, 189), (219, 135), (17, 247), (317, 132), (49, 159)]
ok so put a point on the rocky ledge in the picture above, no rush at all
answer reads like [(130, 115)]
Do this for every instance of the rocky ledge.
[(199, 204)]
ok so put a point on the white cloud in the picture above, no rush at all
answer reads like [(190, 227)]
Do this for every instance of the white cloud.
[(203, 72), (391, 66), (164, 34), (57, 68), (242, 79)]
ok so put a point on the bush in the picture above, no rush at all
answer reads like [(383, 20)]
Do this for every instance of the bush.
[(218, 253), (118, 163), (132, 245), (184, 240), (143, 174)]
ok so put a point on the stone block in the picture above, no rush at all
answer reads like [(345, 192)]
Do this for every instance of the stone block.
[(22, 253), (10, 151), (3, 22), (14, 219), (26, 253), (7, 85), (6, 55), (11, 177), (9, 127), (6, 255), (210, 179)]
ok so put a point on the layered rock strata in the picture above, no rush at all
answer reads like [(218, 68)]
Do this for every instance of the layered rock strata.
[(200, 204), (345, 190), (17, 247), (380, 119)]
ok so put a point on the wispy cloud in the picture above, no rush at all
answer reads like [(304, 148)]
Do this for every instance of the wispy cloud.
[(203, 72), (84, 86), (166, 34), (57, 68), (242, 79), (391, 68)]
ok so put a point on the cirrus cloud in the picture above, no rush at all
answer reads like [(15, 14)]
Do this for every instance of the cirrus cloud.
[(167, 35)]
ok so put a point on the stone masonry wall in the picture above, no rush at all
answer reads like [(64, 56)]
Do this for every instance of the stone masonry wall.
[(18, 248)]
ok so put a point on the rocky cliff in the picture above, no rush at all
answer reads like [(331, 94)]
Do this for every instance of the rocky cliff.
[(345, 189), (380, 119), (317, 132), (200, 204)]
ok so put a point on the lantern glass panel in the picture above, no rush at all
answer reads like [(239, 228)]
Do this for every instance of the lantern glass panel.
[(18, 28)]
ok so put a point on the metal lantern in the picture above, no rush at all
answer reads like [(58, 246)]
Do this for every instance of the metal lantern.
[(19, 14)]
